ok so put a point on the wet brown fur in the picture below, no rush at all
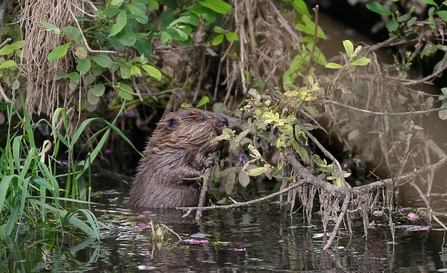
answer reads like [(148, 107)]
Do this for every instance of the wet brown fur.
[(176, 155)]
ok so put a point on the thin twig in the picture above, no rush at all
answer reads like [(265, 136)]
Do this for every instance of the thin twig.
[(339, 220), (85, 40), (5, 42), (206, 179), (5, 98), (166, 227), (338, 169), (383, 113)]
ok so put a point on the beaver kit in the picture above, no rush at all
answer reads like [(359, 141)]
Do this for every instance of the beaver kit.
[(176, 155)]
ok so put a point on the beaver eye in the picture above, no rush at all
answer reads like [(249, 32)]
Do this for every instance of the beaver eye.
[(202, 118)]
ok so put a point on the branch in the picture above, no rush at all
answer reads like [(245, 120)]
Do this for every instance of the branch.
[(382, 113), (85, 40), (243, 204)]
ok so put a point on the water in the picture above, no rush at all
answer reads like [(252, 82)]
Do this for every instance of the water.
[(261, 238)]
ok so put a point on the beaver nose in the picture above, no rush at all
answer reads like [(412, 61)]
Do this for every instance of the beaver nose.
[(222, 121)]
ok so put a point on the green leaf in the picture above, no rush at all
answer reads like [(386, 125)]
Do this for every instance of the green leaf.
[(311, 25), (116, 2), (121, 21), (218, 29), (392, 25), (333, 65), (98, 89), (244, 180), (378, 8), (58, 52), (127, 38), (8, 49), (204, 100), (124, 72), (218, 6), (7, 64), (442, 63), (144, 47), (428, 50), (430, 2), (362, 61), (152, 4), (83, 65), (165, 38), (74, 34), (91, 98), (299, 5), (139, 9), (202, 12), (152, 71), (74, 76), (103, 60), (182, 19), (442, 114), (403, 18), (51, 27), (231, 36), (349, 48), (256, 171), (442, 14), (135, 70), (123, 87), (217, 40)]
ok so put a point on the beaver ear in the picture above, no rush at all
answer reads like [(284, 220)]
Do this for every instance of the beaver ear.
[(171, 123)]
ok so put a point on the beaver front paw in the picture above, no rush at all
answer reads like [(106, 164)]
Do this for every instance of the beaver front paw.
[(209, 162)]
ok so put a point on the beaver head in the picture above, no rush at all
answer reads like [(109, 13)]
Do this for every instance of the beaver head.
[(189, 129)]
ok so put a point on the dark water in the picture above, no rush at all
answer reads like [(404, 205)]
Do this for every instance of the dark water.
[(260, 238)]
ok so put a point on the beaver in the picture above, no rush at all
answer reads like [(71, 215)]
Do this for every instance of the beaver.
[(176, 155)]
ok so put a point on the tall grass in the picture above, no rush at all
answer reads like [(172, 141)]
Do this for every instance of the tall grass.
[(30, 195)]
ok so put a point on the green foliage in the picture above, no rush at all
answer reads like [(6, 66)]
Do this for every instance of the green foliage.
[(309, 52), (123, 24), (30, 194), (352, 55), (221, 34)]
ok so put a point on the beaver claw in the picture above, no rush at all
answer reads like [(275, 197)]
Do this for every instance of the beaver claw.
[(209, 162)]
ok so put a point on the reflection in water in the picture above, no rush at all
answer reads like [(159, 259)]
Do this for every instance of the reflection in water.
[(256, 239)]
